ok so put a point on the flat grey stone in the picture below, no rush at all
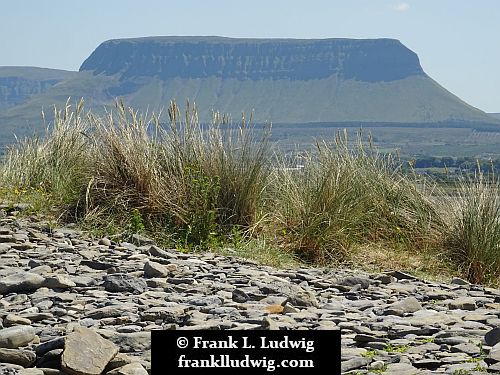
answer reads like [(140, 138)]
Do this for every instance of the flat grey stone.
[(4, 248), (385, 278), (84, 281), (20, 357), (467, 348), (270, 324), (153, 269), (428, 363), (20, 282), (38, 371), (14, 320), (492, 337), (7, 238), (205, 301), (461, 368), (58, 282), (130, 369), (353, 280), (459, 281), (354, 363), (112, 311), (157, 252), (96, 265), (47, 346), (401, 275), (51, 359), (239, 296), (17, 336), (180, 280), (120, 360), (453, 340), (494, 368), (495, 353), (142, 240), (86, 352), (363, 338), (463, 303), (168, 314), (130, 342), (104, 241), (297, 296), (129, 329), (124, 283), (401, 369), (405, 306)]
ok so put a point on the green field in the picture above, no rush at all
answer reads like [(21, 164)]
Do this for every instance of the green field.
[(408, 141)]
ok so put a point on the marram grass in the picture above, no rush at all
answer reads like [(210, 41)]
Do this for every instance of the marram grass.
[(222, 186)]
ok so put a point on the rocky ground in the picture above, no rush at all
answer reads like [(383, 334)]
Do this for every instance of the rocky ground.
[(65, 298)]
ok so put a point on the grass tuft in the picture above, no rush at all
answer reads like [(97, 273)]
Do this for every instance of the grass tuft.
[(473, 238), (349, 196)]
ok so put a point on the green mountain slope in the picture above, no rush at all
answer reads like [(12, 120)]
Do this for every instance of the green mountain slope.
[(416, 99)]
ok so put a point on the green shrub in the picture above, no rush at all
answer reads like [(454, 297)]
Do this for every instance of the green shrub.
[(136, 223)]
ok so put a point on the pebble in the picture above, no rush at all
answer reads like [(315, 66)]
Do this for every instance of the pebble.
[(130, 369), (58, 282), (20, 282), (492, 337), (63, 294), (14, 320), (23, 358), (154, 269), (463, 303), (124, 283), (405, 306), (17, 336)]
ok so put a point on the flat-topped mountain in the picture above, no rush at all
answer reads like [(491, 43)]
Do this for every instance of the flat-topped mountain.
[(281, 80), (254, 59)]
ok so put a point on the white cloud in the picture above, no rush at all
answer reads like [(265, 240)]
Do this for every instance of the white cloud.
[(400, 7)]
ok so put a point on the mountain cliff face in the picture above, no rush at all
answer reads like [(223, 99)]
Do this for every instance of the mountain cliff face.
[(254, 59)]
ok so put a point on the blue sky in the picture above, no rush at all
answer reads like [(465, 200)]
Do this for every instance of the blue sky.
[(458, 41)]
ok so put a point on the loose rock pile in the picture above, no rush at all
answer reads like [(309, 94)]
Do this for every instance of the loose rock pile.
[(65, 298)]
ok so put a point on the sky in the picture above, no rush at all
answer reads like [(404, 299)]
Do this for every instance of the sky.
[(457, 41)]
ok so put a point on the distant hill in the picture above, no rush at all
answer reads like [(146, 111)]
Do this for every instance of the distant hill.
[(283, 80), (18, 84), (495, 115)]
